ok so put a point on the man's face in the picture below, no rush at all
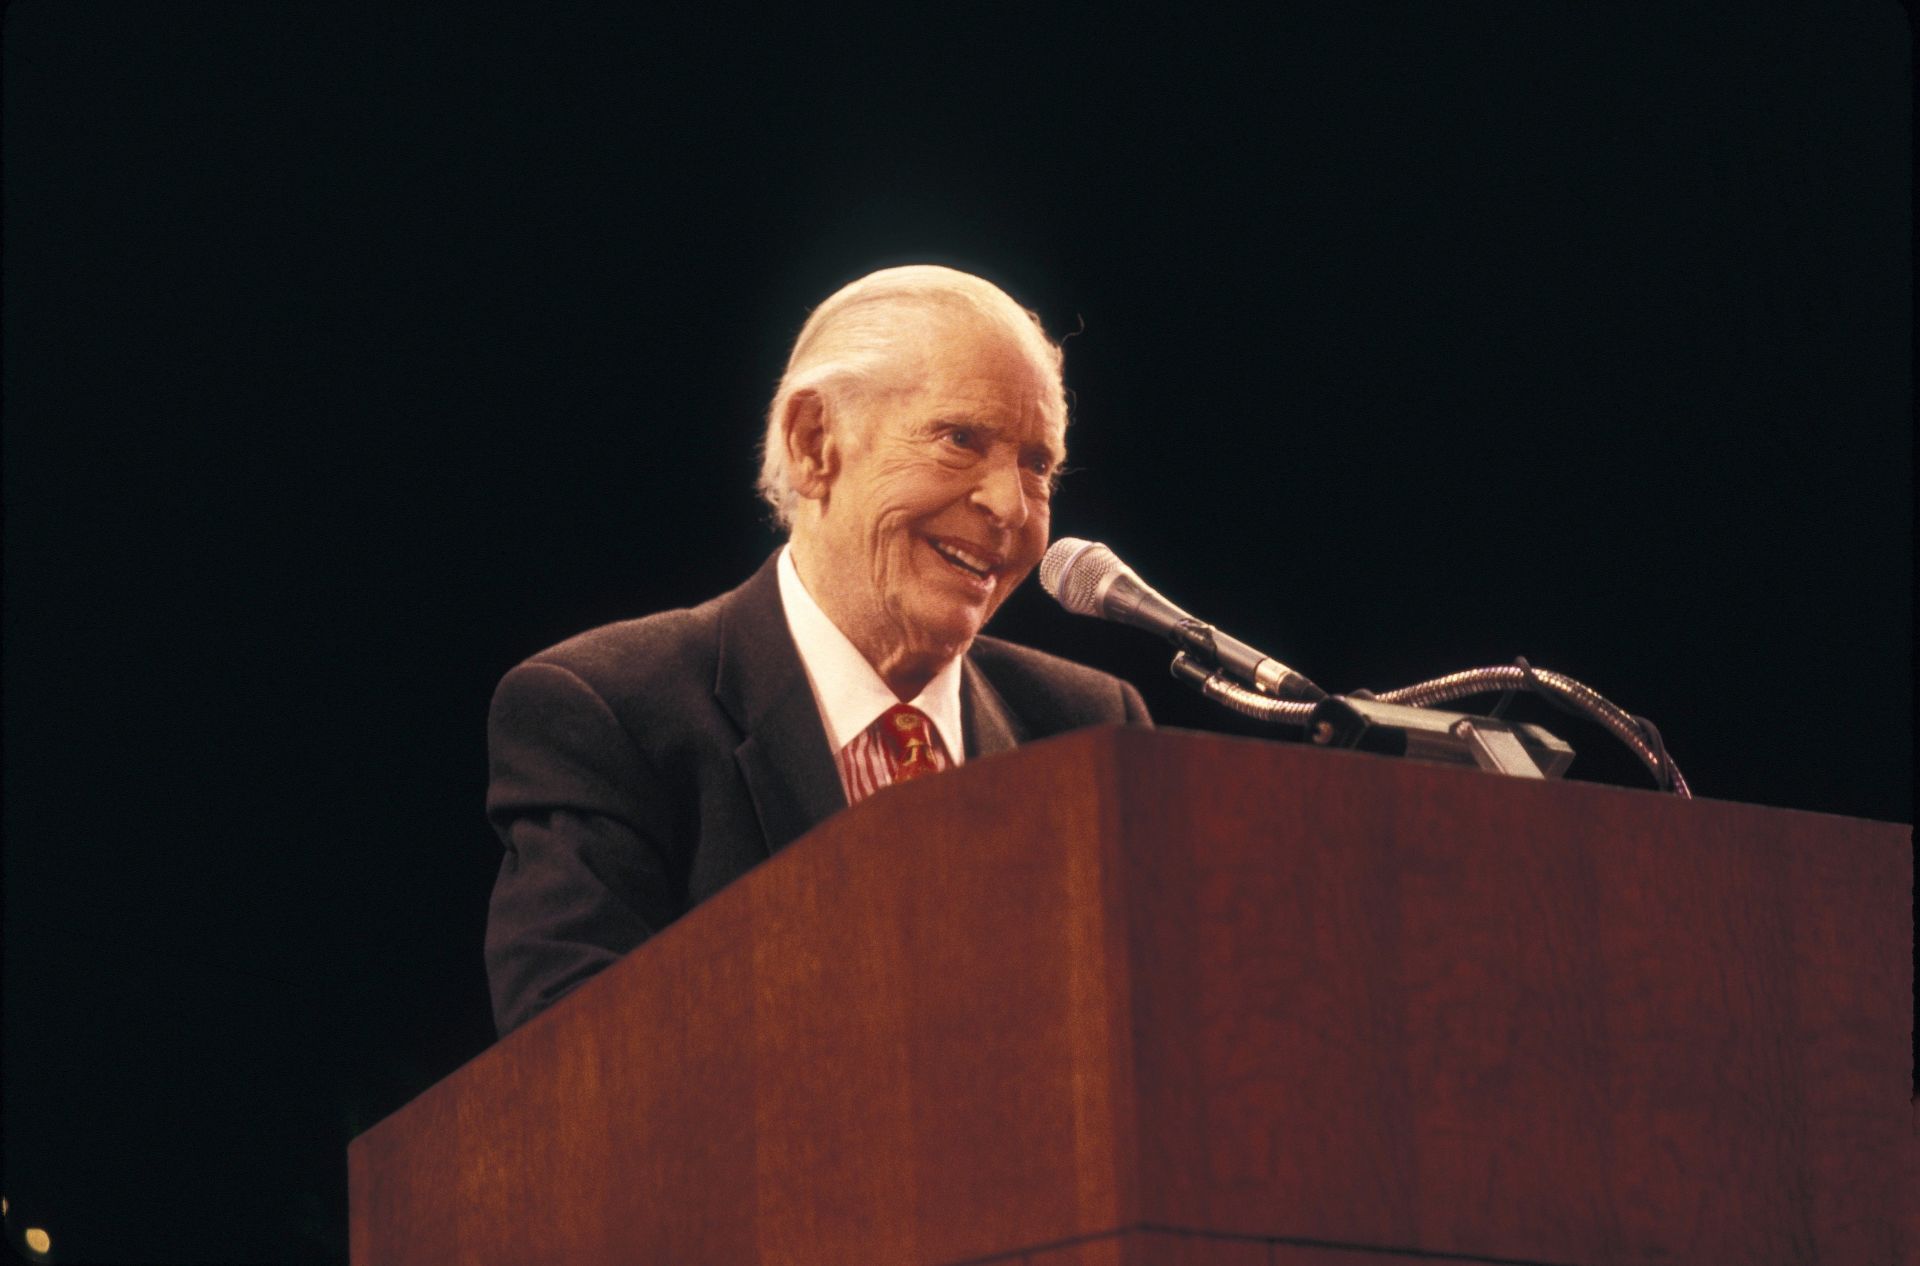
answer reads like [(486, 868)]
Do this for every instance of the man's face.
[(939, 508)]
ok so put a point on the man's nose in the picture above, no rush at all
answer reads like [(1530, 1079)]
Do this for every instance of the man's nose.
[(1001, 493)]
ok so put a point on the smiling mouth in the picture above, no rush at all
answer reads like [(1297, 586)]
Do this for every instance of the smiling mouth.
[(965, 560)]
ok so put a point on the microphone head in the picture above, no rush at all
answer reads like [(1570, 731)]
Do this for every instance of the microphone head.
[(1073, 571)]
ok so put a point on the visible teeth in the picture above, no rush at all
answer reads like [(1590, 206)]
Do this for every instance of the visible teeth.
[(966, 558)]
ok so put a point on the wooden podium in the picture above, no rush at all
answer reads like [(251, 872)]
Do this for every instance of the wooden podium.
[(1133, 997)]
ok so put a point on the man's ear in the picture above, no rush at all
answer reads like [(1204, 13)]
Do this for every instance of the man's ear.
[(813, 447)]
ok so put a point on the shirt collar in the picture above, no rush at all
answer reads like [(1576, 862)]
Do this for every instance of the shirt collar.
[(846, 689)]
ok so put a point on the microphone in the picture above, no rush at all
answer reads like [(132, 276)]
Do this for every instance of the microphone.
[(1087, 578)]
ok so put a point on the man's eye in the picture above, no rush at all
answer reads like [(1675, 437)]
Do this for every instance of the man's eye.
[(960, 437), (1043, 468)]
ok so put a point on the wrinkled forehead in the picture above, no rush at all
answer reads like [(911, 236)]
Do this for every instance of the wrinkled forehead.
[(1003, 367)]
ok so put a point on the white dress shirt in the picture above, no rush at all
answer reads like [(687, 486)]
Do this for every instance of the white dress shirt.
[(846, 689)]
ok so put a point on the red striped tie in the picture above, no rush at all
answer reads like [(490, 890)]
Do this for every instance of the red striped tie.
[(900, 744)]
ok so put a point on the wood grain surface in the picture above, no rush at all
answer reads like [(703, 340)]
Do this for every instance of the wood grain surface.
[(1318, 1009), (1419, 1006), (1163, 1248)]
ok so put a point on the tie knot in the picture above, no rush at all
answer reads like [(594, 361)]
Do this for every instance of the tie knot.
[(907, 731), (908, 735), (901, 743)]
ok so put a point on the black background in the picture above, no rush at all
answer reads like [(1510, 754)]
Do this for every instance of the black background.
[(353, 354)]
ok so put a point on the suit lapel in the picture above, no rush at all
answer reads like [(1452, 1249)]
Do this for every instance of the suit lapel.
[(784, 758), (989, 725)]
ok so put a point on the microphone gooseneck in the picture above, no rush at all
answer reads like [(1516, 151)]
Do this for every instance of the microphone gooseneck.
[(1087, 578)]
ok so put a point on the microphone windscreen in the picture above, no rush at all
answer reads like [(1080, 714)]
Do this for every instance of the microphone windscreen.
[(1072, 571)]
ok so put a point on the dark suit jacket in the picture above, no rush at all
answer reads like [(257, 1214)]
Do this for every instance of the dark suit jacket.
[(638, 768)]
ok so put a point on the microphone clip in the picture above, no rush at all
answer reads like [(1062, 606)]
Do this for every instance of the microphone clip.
[(1201, 643), (1196, 638)]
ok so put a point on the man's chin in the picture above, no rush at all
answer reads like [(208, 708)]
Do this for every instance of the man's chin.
[(946, 634)]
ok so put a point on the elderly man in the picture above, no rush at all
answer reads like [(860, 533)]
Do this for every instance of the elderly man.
[(911, 452)]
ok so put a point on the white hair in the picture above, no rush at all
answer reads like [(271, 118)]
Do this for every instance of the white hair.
[(868, 340)]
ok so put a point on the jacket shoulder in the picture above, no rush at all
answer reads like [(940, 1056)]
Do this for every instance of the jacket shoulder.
[(1056, 693), (676, 647), (670, 653)]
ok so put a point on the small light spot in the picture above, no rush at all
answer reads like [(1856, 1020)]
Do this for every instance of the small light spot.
[(39, 1241)]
